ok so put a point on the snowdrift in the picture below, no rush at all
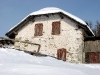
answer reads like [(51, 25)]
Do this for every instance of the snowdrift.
[(13, 62)]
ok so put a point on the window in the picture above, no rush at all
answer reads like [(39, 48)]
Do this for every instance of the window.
[(56, 28), (38, 29)]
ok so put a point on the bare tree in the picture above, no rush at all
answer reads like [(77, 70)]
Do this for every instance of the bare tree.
[(98, 29), (89, 23)]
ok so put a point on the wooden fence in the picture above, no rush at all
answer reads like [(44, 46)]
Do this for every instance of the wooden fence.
[(92, 46)]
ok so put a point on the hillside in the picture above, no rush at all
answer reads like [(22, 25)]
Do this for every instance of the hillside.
[(13, 62)]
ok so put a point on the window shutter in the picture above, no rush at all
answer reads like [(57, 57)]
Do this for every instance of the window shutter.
[(61, 54), (56, 28), (38, 29)]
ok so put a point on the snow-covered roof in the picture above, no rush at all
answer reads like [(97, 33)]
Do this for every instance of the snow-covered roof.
[(49, 10), (55, 10)]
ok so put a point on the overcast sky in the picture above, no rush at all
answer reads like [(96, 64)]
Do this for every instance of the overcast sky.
[(13, 11)]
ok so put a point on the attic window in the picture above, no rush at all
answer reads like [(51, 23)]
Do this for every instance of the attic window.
[(56, 28), (38, 29)]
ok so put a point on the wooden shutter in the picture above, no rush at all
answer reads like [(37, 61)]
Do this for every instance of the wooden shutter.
[(56, 28), (61, 54), (38, 29)]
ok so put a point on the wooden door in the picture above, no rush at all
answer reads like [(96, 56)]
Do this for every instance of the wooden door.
[(92, 57), (61, 54)]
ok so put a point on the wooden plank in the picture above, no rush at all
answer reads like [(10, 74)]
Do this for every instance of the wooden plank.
[(4, 41), (92, 46)]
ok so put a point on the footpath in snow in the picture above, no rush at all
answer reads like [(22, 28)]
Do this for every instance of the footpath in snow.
[(13, 62)]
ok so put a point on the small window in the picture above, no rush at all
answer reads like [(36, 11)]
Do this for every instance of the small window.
[(56, 28), (38, 29)]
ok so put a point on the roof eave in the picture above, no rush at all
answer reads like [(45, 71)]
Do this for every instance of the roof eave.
[(14, 28), (18, 26)]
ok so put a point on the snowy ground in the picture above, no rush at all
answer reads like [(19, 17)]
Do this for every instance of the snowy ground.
[(13, 62)]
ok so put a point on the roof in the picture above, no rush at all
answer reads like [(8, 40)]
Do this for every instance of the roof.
[(55, 10), (49, 10)]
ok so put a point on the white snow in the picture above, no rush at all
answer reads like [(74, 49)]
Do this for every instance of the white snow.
[(48, 10), (13, 62)]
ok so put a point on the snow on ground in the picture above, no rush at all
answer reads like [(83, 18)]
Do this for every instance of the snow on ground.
[(13, 62)]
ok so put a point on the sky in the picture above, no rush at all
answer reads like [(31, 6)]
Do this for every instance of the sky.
[(13, 11)]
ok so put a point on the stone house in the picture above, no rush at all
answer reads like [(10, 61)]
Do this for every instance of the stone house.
[(59, 33)]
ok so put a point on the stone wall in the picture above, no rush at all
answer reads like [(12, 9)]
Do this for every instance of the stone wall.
[(70, 38)]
